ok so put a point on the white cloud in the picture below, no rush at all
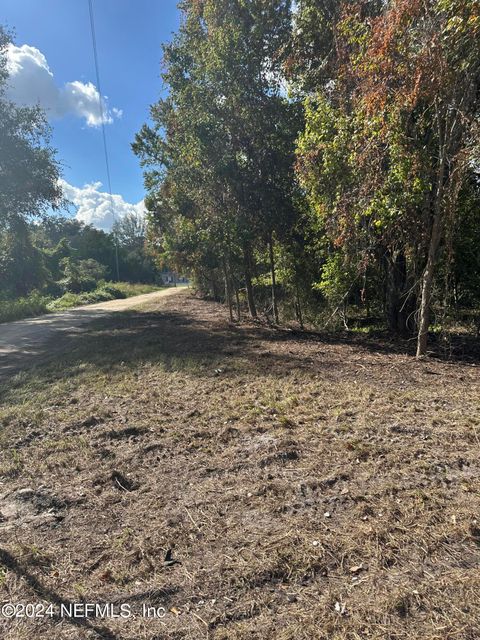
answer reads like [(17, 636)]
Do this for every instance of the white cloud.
[(94, 206), (31, 82)]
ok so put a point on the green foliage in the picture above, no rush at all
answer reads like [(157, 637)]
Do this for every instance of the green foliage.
[(219, 158), (338, 279), (307, 157), (22, 265), (465, 245), (29, 175), (129, 289), (36, 304), (69, 300), (81, 275), (104, 292), (33, 305), (58, 255), (385, 150)]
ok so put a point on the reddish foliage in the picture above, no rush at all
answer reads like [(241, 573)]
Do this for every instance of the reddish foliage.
[(403, 59)]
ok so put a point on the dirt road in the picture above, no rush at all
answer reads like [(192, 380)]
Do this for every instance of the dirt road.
[(24, 339)]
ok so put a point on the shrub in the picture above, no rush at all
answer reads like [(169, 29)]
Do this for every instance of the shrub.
[(102, 294), (37, 304), (81, 275), (67, 301), (114, 291), (32, 305), (128, 289)]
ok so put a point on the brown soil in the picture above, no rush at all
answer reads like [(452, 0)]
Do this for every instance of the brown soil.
[(309, 489)]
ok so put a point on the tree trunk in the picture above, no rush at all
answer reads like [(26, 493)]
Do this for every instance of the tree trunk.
[(237, 300), (234, 282), (298, 307), (228, 290), (248, 280), (214, 288), (427, 284), (435, 237), (396, 281), (274, 280), (443, 209)]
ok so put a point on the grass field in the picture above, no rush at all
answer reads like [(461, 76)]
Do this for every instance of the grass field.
[(312, 489)]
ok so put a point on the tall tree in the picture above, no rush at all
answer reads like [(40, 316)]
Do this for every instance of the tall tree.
[(29, 172), (229, 132), (423, 76), (392, 150), (29, 185)]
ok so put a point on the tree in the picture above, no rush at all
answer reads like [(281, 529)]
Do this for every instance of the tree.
[(62, 237), (130, 231), (29, 185), (221, 152), (372, 211), (424, 77), (135, 256), (386, 149), (22, 265), (314, 56), (464, 281), (81, 275), (29, 172)]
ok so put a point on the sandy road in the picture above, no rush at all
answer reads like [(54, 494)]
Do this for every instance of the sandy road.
[(23, 339)]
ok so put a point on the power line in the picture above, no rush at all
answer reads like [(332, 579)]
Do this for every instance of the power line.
[(102, 124)]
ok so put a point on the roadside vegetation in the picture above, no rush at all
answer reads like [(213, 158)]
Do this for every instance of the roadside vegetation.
[(36, 304), (33, 305), (104, 292), (59, 263)]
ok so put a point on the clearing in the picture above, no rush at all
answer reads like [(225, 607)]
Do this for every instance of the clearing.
[(311, 489)]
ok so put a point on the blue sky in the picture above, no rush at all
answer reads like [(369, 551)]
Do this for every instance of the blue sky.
[(129, 35)]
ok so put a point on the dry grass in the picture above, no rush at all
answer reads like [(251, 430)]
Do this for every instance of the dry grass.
[(311, 490)]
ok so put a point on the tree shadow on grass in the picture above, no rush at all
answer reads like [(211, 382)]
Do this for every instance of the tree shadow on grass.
[(172, 340), (48, 595), (197, 344)]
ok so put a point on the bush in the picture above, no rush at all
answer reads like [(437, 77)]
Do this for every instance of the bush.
[(37, 304), (99, 295), (53, 289), (67, 301), (102, 294), (81, 275), (116, 292), (33, 305), (129, 289), (77, 286)]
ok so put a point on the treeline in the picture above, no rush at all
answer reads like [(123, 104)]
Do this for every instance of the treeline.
[(58, 255), (320, 156)]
